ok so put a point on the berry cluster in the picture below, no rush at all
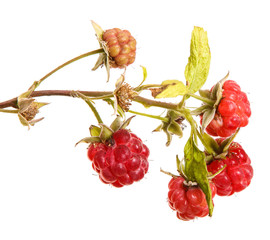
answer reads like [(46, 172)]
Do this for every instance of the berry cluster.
[(188, 201), (121, 47), (232, 113), (120, 161), (121, 158), (237, 174)]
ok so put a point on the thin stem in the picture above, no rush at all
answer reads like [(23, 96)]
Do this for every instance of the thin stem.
[(153, 103), (94, 110), (149, 115), (90, 104), (70, 93), (71, 61), (9, 111), (168, 173)]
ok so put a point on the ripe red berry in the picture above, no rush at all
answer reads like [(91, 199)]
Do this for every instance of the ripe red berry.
[(232, 112), (237, 174), (120, 161), (188, 201), (121, 47)]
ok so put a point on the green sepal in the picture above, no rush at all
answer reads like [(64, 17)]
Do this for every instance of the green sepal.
[(210, 110), (208, 116), (210, 144), (196, 170), (89, 140), (205, 93), (224, 146), (175, 129), (126, 122), (94, 131), (116, 124), (170, 127), (105, 133), (200, 110)]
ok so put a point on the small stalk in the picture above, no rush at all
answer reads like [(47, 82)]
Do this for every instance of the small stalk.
[(71, 61), (9, 111), (168, 173), (149, 115), (90, 104)]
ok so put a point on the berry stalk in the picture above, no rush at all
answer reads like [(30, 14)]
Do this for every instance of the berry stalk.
[(100, 50)]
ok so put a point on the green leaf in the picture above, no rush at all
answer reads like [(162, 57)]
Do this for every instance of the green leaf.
[(197, 69), (171, 89), (196, 170)]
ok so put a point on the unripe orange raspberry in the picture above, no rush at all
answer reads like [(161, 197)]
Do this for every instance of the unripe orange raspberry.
[(121, 47)]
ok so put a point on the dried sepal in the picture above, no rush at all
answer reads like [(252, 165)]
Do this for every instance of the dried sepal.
[(104, 57), (28, 109)]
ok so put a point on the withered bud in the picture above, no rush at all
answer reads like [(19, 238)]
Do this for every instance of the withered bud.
[(30, 112), (124, 96)]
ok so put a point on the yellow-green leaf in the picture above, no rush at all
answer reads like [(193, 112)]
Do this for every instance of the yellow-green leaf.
[(171, 89), (197, 69)]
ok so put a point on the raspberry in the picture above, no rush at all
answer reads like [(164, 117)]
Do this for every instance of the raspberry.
[(237, 174), (232, 112), (121, 47), (188, 201), (120, 161)]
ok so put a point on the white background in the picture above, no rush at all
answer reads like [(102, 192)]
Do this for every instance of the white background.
[(48, 189)]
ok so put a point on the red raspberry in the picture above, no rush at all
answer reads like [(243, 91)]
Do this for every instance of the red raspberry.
[(121, 47), (189, 202), (120, 161), (237, 174), (232, 112)]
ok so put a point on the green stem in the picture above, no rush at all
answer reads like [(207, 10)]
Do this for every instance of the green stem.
[(71, 61), (90, 104), (203, 99), (94, 110), (153, 103), (149, 115)]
